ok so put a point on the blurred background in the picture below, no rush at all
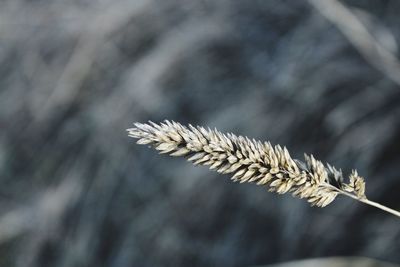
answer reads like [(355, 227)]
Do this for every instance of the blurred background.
[(316, 76)]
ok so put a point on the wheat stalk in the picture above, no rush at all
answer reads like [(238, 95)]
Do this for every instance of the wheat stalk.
[(255, 162)]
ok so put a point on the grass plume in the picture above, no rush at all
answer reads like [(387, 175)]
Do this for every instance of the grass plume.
[(254, 162)]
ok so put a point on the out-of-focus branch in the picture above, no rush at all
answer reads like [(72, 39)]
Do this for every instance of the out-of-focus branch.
[(359, 36), (84, 53), (334, 262), (41, 214)]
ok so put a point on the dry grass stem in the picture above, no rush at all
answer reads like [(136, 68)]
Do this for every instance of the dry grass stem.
[(254, 162)]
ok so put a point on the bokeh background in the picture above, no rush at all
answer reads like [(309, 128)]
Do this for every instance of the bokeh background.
[(316, 76)]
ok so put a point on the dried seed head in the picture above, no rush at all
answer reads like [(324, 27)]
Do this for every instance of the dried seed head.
[(249, 161)]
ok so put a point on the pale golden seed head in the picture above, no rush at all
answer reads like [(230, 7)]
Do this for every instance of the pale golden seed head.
[(249, 161)]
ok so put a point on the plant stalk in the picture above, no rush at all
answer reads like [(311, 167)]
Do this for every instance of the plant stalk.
[(371, 203)]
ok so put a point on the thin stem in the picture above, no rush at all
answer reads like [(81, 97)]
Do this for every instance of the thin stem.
[(379, 206), (371, 203)]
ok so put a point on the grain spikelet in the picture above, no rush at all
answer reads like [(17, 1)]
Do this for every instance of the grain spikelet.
[(250, 161)]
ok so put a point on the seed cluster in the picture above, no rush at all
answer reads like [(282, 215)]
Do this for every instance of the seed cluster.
[(249, 161)]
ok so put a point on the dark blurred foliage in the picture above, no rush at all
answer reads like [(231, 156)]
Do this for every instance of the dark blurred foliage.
[(76, 191)]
